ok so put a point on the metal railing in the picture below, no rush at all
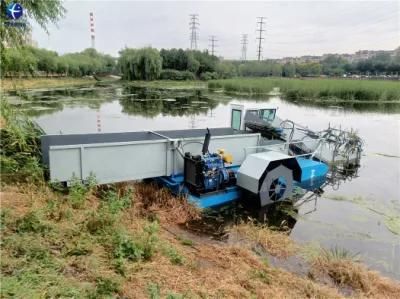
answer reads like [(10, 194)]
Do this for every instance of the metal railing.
[(285, 146)]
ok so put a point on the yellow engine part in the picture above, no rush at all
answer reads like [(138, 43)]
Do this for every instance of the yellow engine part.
[(226, 157)]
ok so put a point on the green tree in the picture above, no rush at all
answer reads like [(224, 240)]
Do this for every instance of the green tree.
[(226, 69), (289, 70), (141, 64), (312, 69), (333, 65)]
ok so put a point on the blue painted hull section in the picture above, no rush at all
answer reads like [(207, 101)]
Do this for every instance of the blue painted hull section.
[(209, 200), (313, 174), (312, 177)]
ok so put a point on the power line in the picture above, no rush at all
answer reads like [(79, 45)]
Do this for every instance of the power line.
[(244, 46), (194, 26), (260, 38), (213, 45)]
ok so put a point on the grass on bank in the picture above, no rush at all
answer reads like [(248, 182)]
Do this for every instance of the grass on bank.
[(31, 83), (315, 89), (117, 243)]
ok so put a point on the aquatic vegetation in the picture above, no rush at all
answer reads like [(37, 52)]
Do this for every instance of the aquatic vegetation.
[(393, 224), (324, 90), (20, 84), (390, 216), (170, 85)]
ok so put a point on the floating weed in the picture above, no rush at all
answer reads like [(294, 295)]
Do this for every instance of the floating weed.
[(390, 219), (393, 224)]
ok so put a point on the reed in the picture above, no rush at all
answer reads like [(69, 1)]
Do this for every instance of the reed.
[(20, 153), (315, 89)]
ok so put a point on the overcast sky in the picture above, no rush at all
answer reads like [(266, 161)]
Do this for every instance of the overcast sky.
[(294, 28)]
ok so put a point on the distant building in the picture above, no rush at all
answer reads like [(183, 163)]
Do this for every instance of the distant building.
[(357, 56)]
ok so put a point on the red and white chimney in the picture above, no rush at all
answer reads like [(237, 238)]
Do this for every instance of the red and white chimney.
[(92, 35)]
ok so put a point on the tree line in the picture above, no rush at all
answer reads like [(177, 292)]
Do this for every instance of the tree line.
[(30, 61), (179, 64), (331, 65)]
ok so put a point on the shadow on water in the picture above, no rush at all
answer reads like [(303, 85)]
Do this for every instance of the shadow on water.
[(281, 216)]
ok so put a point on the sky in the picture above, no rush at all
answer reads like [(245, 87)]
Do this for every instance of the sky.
[(293, 28)]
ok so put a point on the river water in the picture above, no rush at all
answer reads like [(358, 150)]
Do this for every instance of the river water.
[(359, 213)]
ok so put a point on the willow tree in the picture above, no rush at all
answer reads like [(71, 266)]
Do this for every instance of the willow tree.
[(140, 64)]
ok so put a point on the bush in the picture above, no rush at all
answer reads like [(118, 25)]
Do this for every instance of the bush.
[(174, 256), (31, 223), (105, 287), (78, 191), (169, 74), (116, 202), (208, 76), (100, 222), (142, 247)]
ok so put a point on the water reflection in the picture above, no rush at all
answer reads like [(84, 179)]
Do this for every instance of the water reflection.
[(41, 102), (151, 102)]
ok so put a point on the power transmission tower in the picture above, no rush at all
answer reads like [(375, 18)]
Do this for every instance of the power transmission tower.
[(260, 38), (213, 44), (244, 46), (194, 26)]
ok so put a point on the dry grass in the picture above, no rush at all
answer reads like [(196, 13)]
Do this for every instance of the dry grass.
[(170, 209), (64, 259), (31, 83), (346, 272), (214, 271), (275, 243), (3, 122)]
